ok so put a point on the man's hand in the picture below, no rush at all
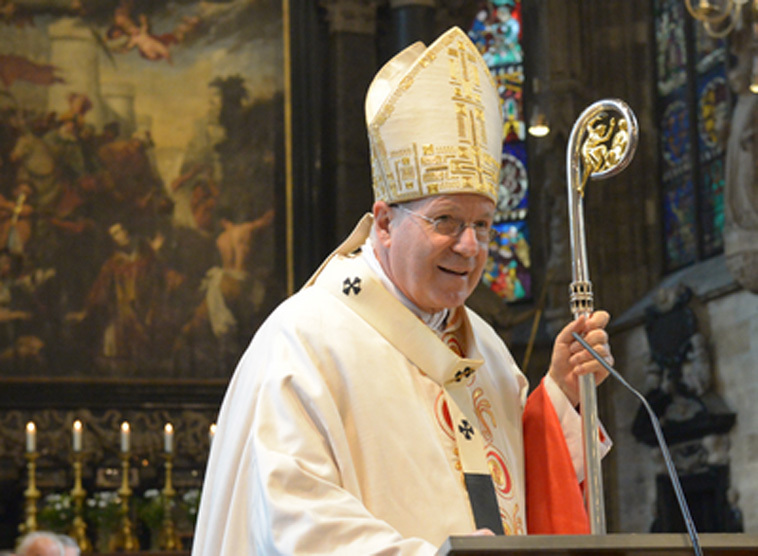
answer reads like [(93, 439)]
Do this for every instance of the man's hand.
[(570, 359)]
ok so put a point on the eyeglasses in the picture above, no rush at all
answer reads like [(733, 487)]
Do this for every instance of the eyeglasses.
[(453, 227)]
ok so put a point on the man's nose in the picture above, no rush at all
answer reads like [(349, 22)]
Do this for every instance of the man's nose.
[(467, 244)]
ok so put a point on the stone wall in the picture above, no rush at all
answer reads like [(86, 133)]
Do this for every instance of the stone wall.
[(728, 317)]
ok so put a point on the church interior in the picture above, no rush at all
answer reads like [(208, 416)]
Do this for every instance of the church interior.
[(160, 194)]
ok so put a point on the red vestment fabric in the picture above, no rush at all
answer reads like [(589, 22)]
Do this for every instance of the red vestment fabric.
[(554, 502)]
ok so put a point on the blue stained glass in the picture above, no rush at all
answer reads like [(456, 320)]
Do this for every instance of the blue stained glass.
[(510, 81), (507, 272), (679, 223), (713, 112), (709, 51), (496, 31), (712, 207), (513, 195), (671, 51), (675, 134), (692, 136)]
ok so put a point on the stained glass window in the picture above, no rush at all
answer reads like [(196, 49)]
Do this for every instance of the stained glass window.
[(693, 105), (497, 32)]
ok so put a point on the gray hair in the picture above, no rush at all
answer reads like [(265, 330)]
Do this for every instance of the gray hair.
[(28, 541), (69, 542)]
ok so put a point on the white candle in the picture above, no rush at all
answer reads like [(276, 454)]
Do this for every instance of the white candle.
[(125, 436), (31, 437), (211, 433), (168, 438), (77, 432)]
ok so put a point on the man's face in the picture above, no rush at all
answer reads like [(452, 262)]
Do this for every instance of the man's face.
[(119, 235), (434, 271)]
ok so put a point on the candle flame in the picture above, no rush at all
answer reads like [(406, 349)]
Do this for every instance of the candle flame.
[(77, 425), (30, 426), (125, 426), (169, 428)]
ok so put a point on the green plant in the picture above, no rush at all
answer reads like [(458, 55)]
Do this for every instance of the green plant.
[(104, 510), (190, 503), (57, 512), (151, 508)]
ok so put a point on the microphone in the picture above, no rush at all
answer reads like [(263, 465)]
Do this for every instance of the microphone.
[(689, 523)]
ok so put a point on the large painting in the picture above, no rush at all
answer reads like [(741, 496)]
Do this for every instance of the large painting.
[(140, 185)]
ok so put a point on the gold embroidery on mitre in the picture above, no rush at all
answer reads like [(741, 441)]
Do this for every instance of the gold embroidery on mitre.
[(398, 129)]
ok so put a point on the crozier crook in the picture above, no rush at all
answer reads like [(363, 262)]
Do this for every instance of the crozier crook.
[(602, 143)]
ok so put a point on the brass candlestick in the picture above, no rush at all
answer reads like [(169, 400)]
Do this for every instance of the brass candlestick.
[(78, 494), (124, 539), (31, 495), (168, 538)]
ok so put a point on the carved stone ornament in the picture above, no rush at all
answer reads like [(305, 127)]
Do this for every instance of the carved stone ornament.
[(679, 375)]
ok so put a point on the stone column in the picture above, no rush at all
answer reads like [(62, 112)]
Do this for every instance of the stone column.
[(554, 67), (741, 190), (119, 100), (352, 64), (412, 20), (75, 52)]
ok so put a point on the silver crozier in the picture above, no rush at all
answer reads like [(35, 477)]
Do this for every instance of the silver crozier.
[(602, 143)]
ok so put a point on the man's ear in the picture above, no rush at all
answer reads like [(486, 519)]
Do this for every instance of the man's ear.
[(382, 219)]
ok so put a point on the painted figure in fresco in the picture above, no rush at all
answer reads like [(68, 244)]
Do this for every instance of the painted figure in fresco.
[(20, 346), (129, 181), (72, 166), (231, 294), (196, 189), (130, 295), (36, 165), (129, 35), (135, 36), (15, 219)]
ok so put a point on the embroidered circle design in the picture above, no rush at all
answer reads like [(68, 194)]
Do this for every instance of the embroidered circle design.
[(442, 413), (501, 477)]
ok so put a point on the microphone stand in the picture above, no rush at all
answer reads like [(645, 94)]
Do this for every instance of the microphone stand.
[(670, 467)]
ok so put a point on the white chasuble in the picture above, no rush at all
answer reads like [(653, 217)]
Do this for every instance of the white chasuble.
[(334, 439), (482, 443)]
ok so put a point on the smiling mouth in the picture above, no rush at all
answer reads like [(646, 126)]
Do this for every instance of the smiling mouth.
[(453, 272)]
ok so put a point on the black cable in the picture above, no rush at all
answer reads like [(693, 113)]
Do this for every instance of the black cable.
[(661, 442)]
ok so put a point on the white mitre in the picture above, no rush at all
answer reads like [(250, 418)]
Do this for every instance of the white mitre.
[(434, 122)]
